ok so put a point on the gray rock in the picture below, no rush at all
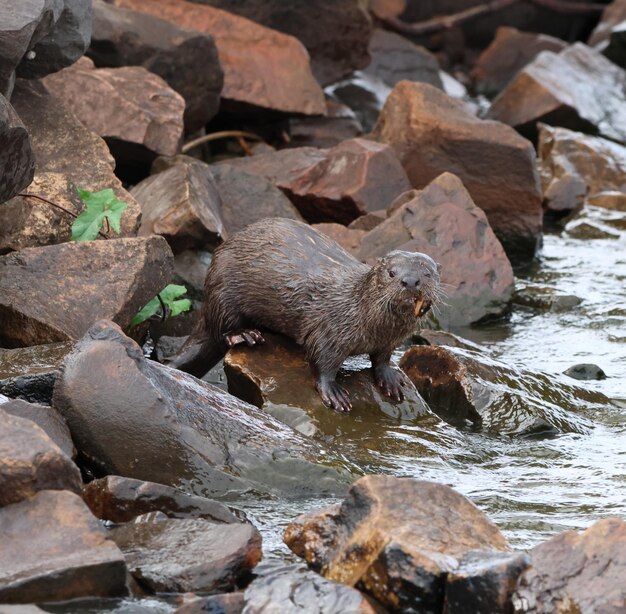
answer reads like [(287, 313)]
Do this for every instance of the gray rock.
[(585, 371)]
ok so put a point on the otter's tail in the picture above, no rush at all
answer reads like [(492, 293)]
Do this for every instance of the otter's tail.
[(197, 358)]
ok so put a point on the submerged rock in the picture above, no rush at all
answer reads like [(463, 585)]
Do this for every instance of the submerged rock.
[(224, 603), (545, 298), (585, 371)]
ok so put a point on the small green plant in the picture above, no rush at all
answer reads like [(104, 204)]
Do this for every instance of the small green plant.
[(168, 298), (99, 207)]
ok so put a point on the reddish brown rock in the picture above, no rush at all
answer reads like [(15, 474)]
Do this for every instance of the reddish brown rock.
[(30, 461), (443, 222), (348, 238), (53, 549), (509, 52), (319, 184), (182, 203), (129, 104), (262, 68), (387, 8), (577, 572), (224, 603), (186, 59), (609, 200), (566, 89), (56, 293), (396, 538), (574, 166), (432, 133), (369, 221), (613, 14)]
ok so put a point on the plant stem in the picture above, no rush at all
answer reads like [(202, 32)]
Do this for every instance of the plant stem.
[(214, 136)]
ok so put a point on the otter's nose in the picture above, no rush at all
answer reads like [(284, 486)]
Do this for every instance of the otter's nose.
[(411, 282)]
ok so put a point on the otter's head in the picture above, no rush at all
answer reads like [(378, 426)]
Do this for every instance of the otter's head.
[(411, 280)]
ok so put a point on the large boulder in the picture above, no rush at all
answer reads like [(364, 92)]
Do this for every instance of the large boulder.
[(432, 133), (186, 59), (577, 88), (56, 293), (442, 221), (262, 68), (53, 549)]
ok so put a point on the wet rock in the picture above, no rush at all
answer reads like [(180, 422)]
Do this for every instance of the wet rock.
[(182, 204), (177, 555), (167, 347), (30, 461), (442, 221), (585, 371), (20, 609), (590, 230), (225, 603), (396, 538), (55, 293), (153, 423), (564, 89), (348, 238), (53, 549), (613, 15), (276, 377), (573, 166), (616, 49), (432, 133), (46, 418), (17, 161), (609, 199), (545, 298), (191, 267), (186, 59), (130, 106), (335, 33), (460, 383), (291, 589), (509, 52), (121, 499), (69, 156), (395, 59), (577, 572), (62, 45), (262, 68), (316, 181), (29, 373)]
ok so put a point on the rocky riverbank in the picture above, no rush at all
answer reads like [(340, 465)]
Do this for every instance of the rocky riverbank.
[(128, 486)]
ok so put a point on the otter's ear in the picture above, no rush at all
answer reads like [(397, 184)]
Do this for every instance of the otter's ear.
[(438, 268)]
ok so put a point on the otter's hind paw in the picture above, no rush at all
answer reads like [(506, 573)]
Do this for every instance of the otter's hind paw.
[(333, 395), (251, 337), (391, 382)]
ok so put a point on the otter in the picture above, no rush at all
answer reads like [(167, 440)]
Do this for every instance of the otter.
[(285, 276)]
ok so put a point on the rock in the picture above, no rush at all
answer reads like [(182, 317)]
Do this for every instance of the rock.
[(128, 106), (53, 549), (384, 9), (612, 16), (509, 52), (46, 418), (577, 572), (590, 230), (176, 556), (153, 423), (335, 33), (262, 68), (55, 293), (442, 221), (573, 166), (564, 89), (182, 204), (316, 181), (546, 298), (464, 385), (62, 45), (20, 609), (224, 603), (191, 267), (17, 160), (585, 371), (396, 538), (395, 59), (610, 199), (29, 373), (369, 221), (432, 133), (616, 49), (291, 589), (186, 59), (68, 157), (348, 238), (121, 499), (30, 461)]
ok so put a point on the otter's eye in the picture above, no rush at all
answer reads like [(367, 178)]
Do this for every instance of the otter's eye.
[(429, 275), (392, 273)]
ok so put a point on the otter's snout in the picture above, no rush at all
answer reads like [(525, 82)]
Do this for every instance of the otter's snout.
[(411, 282)]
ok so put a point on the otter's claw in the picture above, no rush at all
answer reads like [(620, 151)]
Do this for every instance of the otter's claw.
[(333, 395), (251, 337), (391, 382)]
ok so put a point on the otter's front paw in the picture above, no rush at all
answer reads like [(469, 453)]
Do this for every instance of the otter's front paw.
[(391, 382), (333, 395), (250, 337)]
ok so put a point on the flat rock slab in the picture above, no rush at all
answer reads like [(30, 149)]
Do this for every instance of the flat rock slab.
[(396, 538), (53, 549), (17, 159), (443, 222), (153, 423), (577, 572), (176, 556), (432, 133), (30, 461), (577, 88), (186, 59), (262, 68), (121, 499), (129, 104), (56, 293)]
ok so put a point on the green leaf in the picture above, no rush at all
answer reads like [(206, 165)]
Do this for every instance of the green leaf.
[(169, 295), (98, 206)]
